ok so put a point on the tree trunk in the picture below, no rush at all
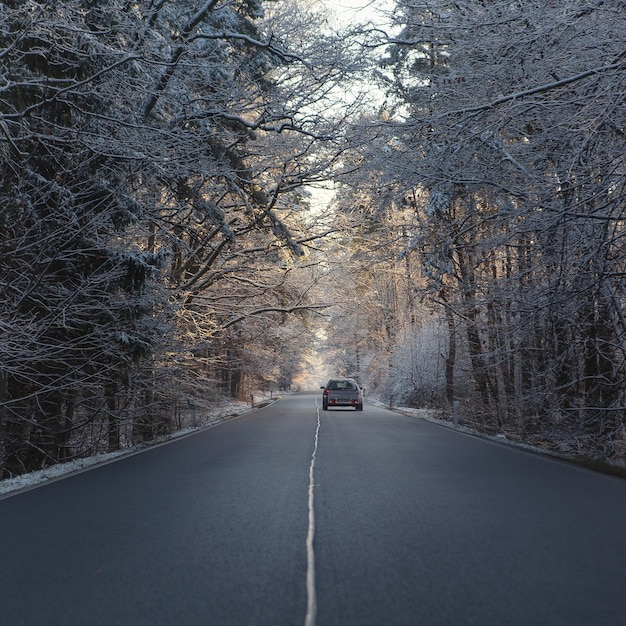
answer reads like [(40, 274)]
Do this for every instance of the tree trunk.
[(113, 418), (450, 359)]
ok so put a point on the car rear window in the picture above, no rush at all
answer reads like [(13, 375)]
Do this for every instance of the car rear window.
[(341, 384)]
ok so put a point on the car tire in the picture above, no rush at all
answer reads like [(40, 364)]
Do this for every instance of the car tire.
[(359, 407)]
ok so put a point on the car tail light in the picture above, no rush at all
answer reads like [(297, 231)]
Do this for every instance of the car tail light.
[(326, 392)]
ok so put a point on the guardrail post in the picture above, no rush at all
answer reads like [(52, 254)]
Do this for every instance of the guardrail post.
[(455, 413)]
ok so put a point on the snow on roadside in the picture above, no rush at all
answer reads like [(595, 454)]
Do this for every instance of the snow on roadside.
[(31, 479), (436, 417), (205, 419)]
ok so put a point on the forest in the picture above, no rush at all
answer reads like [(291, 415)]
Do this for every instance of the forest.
[(200, 200)]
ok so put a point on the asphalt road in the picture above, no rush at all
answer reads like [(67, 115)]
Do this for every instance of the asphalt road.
[(414, 525)]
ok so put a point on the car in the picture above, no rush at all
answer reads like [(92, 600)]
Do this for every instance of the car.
[(342, 392)]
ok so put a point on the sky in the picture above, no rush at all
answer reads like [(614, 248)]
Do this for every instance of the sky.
[(350, 11), (346, 12)]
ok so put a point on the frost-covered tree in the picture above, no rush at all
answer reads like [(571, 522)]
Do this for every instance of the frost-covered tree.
[(236, 217), (509, 144), (75, 295), (152, 157), (371, 286)]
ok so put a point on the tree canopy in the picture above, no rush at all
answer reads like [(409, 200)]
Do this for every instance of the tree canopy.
[(159, 238)]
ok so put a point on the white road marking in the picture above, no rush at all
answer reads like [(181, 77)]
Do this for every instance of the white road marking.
[(311, 608)]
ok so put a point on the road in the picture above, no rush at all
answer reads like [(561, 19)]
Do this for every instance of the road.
[(414, 524)]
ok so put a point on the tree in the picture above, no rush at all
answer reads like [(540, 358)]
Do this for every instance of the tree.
[(74, 299), (503, 136), (152, 161)]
